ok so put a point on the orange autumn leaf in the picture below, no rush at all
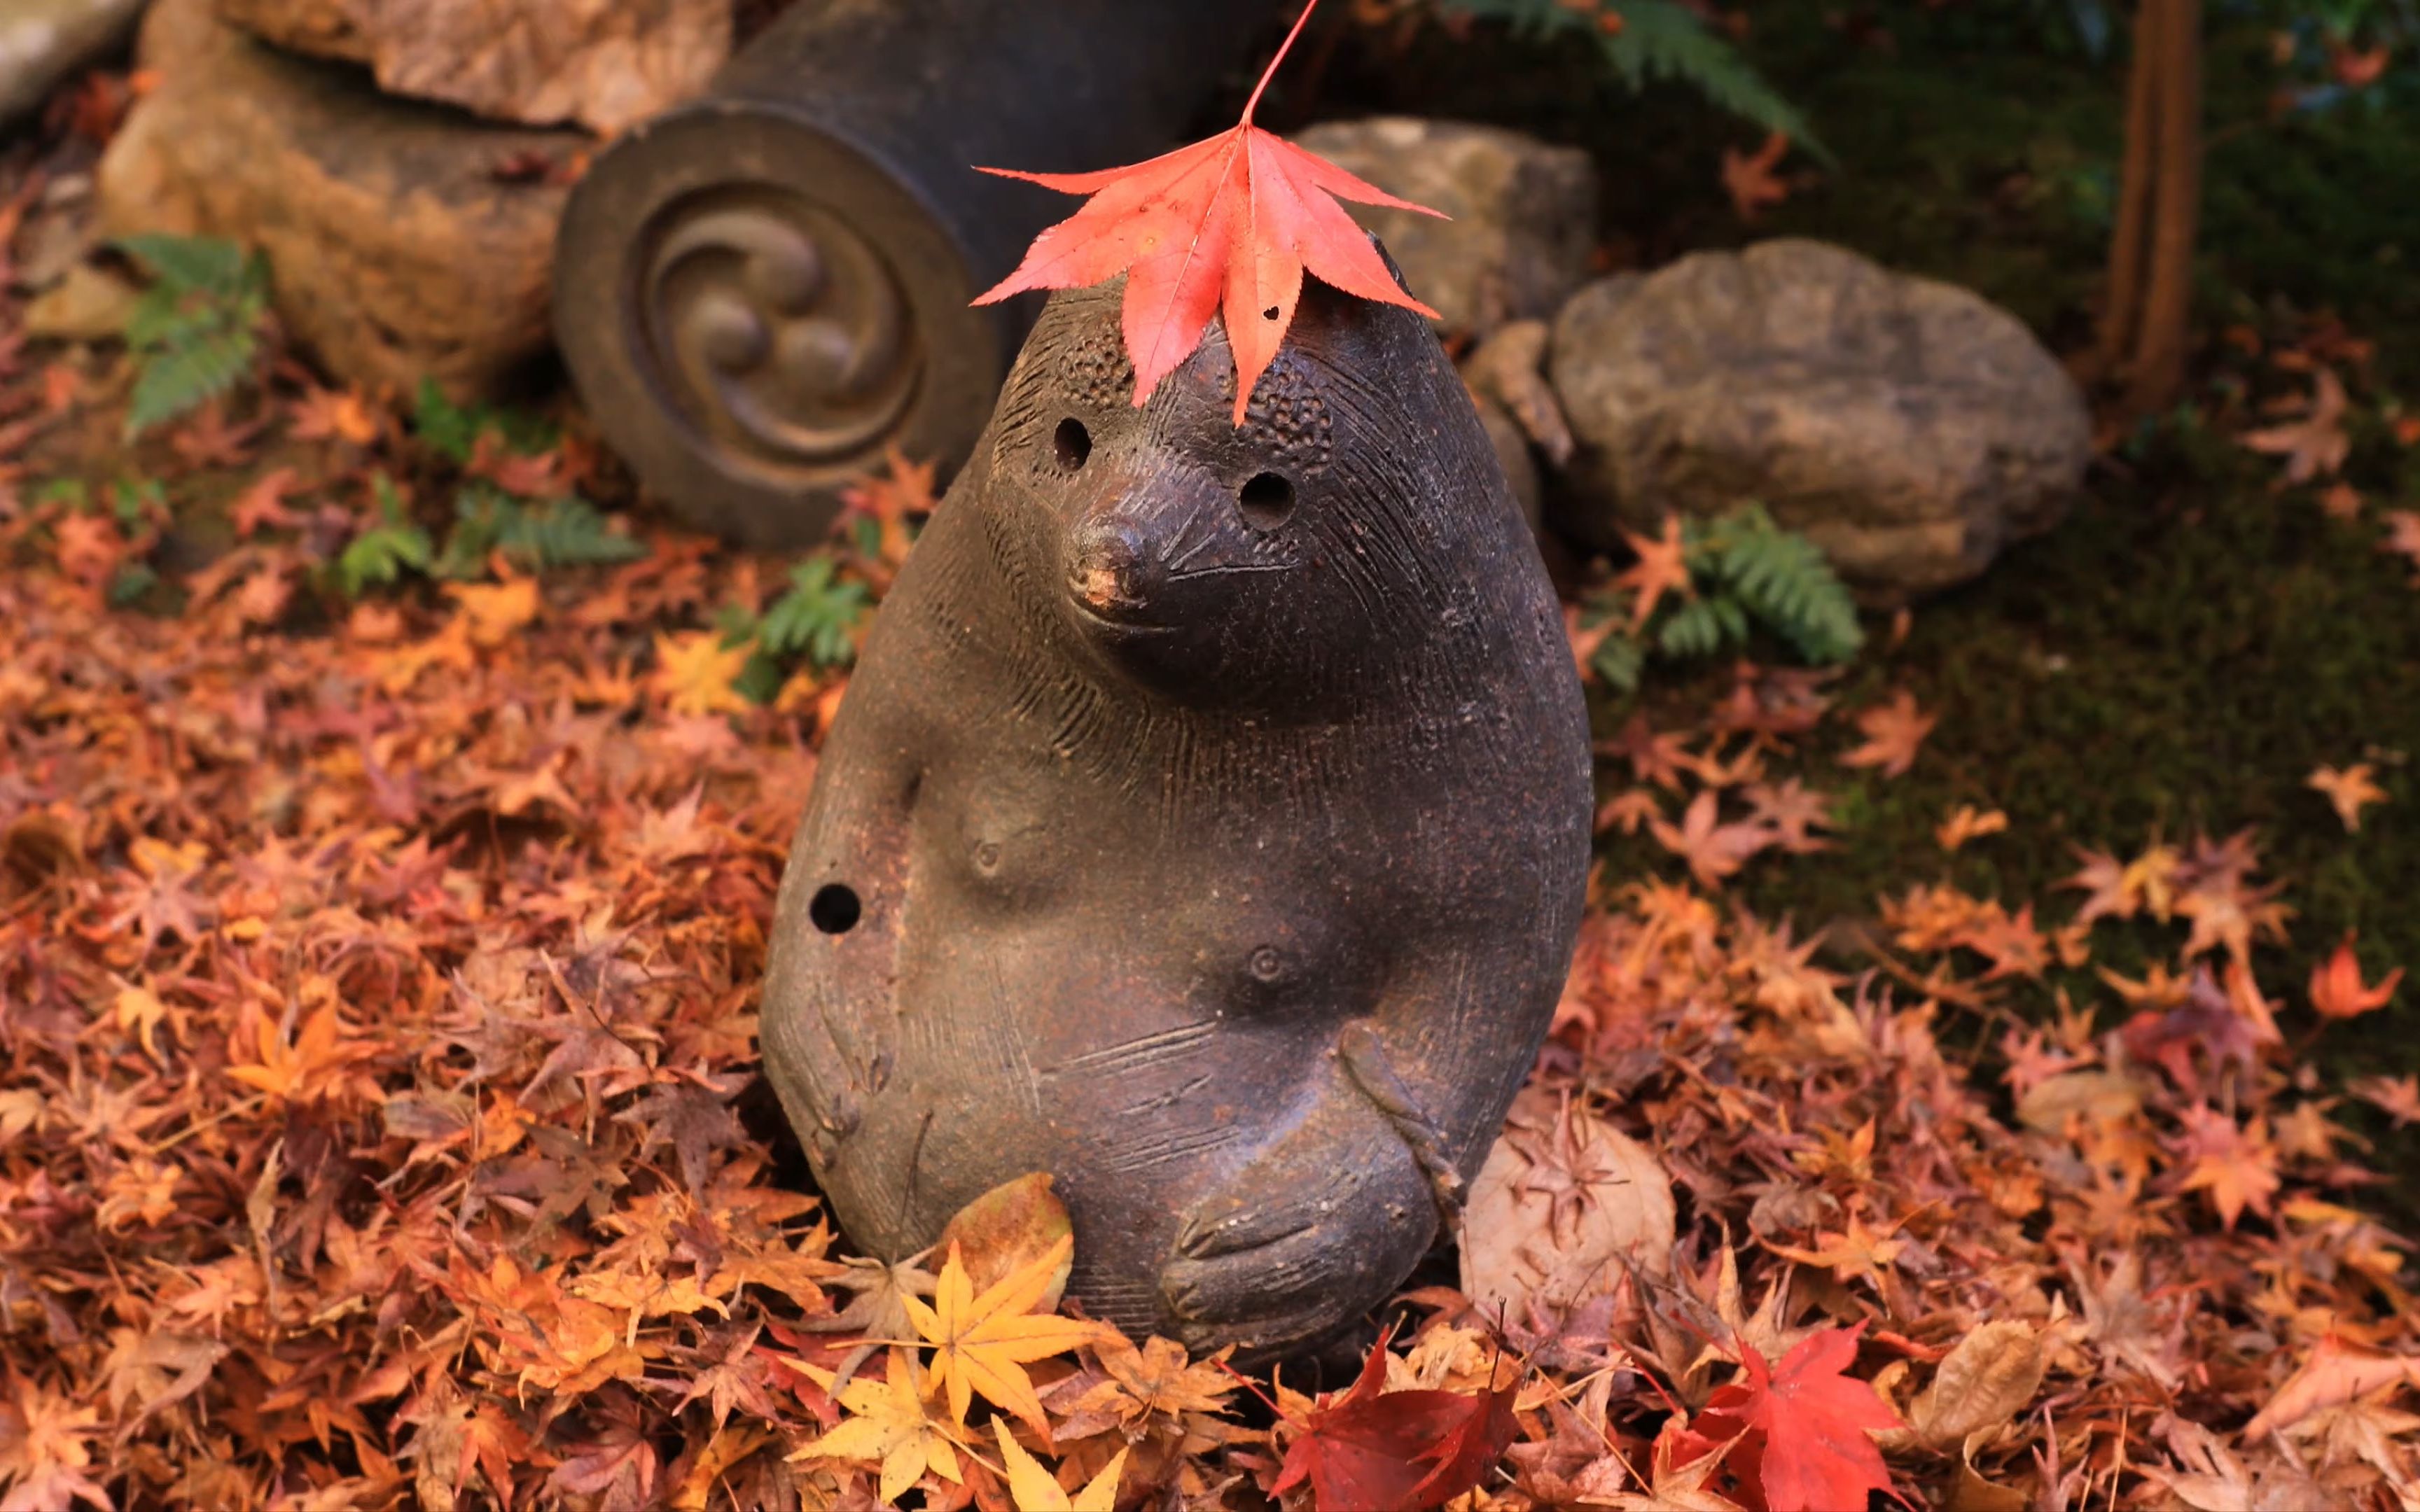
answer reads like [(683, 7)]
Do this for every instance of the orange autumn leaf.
[(1749, 179), (1661, 568), (1894, 732), (2349, 791), (1229, 226), (1969, 823), (2337, 991), (2315, 445), (2235, 1166)]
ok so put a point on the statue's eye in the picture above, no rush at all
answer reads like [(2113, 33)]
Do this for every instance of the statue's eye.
[(1071, 443), (1266, 500)]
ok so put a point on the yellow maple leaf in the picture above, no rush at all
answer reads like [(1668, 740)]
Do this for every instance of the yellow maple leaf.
[(491, 614), (1033, 1489), (693, 672), (982, 1344), (890, 1426)]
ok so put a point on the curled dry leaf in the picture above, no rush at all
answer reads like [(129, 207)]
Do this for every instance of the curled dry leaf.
[(1564, 1203), (1984, 1383), (2335, 1373), (1008, 1228), (1510, 368)]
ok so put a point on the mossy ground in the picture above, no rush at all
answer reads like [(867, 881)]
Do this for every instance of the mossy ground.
[(2191, 642)]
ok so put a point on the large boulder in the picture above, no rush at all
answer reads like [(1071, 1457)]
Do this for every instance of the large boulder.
[(602, 63), (1907, 427), (1524, 213), (403, 240), (43, 41)]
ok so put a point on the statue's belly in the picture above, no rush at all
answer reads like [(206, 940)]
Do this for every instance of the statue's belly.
[(1135, 1021)]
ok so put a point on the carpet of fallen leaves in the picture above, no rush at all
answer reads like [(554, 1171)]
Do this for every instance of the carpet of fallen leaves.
[(379, 1127), (377, 997)]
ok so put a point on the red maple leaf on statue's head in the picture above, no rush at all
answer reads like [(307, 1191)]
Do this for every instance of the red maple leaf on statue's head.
[(1228, 225)]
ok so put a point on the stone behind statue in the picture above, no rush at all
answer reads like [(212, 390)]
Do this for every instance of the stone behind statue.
[(1207, 826), (1908, 426)]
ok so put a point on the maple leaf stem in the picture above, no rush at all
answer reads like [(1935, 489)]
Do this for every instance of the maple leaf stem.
[(1284, 48)]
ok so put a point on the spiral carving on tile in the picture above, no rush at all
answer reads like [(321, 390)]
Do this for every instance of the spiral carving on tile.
[(778, 329)]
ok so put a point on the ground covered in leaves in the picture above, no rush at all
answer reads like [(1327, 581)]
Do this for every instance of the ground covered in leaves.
[(1964, 1087)]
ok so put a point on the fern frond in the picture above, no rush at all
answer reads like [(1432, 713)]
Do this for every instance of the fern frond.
[(188, 374), (1657, 40), (1781, 578), (817, 616), (569, 533), (1661, 39)]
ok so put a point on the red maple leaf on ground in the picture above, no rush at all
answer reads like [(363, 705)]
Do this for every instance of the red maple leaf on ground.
[(1228, 225), (1397, 1451), (1803, 1429)]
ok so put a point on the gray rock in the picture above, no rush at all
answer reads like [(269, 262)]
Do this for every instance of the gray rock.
[(89, 303), (1524, 213), (541, 62), (1908, 426), (399, 244), (42, 43)]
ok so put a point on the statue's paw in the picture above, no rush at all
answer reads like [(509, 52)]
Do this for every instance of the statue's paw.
[(1265, 1269)]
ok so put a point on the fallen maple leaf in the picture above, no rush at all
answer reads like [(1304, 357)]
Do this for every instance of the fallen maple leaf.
[(2337, 987), (2315, 443), (1802, 1431), (1748, 177), (1894, 732), (889, 1426), (1033, 1491), (2398, 1096), (983, 1344), (2236, 1165), (263, 502), (694, 671), (1375, 1450), (332, 415), (2335, 1373), (1229, 226), (1968, 823), (1662, 567), (1712, 849), (2349, 790)]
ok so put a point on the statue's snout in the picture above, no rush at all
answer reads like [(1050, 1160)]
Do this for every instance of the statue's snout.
[(1112, 569)]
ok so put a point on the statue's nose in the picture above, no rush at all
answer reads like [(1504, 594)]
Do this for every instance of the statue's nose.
[(1112, 569)]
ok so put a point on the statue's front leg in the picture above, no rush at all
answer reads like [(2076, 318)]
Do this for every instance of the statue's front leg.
[(1328, 1219)]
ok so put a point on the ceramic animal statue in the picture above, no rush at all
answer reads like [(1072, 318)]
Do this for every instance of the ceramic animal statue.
[(1206, 824)]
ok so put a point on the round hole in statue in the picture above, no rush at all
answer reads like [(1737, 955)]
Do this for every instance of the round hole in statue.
[(1072, 444), (1266, 500), (834, 909)]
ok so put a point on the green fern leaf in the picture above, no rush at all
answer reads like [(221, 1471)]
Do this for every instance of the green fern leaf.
[(817, 616), (183, 378), (1658, 40), (1782, 579)]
